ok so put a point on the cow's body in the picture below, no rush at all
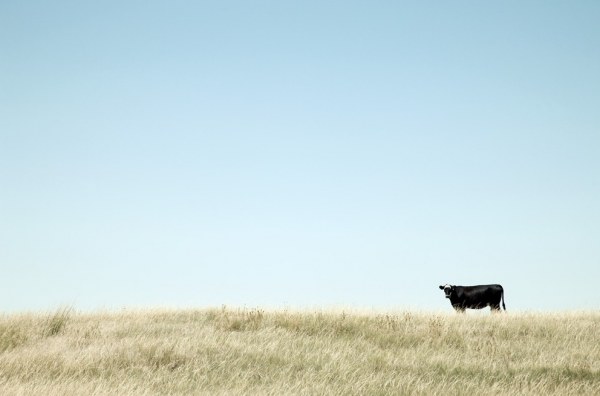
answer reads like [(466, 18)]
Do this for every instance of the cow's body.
[(475, 297)]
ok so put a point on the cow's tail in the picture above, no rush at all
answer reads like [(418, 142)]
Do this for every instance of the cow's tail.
[(502, 295)]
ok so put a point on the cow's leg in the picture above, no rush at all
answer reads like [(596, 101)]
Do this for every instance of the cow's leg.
[(459, 309), (495, 308)]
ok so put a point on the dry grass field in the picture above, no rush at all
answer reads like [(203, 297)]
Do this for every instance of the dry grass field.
[(241, 351)]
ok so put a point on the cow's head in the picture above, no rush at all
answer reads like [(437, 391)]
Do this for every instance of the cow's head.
[(448, 290)]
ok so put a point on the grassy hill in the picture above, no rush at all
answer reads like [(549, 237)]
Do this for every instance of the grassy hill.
[(231, 351)]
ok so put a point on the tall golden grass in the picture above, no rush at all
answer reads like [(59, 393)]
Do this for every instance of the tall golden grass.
[(249, 351)]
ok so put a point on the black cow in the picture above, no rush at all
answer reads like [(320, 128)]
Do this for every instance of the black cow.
[(475, 297)]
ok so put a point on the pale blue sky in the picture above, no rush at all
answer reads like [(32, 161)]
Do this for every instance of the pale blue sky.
[(298, 153)]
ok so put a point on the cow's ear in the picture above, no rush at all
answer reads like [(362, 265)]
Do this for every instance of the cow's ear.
[(441, 287)]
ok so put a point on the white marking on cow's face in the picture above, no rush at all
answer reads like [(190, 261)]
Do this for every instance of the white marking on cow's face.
[(447, 290)]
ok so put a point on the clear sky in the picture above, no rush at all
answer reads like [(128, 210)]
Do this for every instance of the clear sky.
[(298, 153)]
